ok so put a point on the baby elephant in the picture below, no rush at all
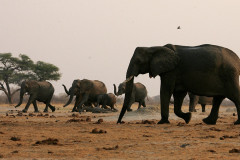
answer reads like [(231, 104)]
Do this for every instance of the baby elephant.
[(105, 100)]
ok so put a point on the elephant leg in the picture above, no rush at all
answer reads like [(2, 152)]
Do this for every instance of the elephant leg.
[(178, 100), (139, 104), (30, 100), (35, 106), (193, 102), (76, 104), (144, 103), (212, 118), (166, 90), (130, 104), (236, 101), (52, 107), (84, 99), (203, 107)]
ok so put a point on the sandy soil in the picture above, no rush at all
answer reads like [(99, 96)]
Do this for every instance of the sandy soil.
[(64, 135)]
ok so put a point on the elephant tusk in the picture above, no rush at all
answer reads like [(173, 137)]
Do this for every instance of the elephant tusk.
[(128, 79)]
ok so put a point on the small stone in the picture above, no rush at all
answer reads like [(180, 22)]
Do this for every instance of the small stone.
[(184, 145), (31, 115), (88, 119), (15, 138), (102, 131), (95, 130), (234, 150), (15, 152), (99, 121)]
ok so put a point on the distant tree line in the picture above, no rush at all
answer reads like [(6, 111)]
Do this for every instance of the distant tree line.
[(14, 70)]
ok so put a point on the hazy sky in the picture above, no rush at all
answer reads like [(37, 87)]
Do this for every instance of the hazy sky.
[(95, 39)]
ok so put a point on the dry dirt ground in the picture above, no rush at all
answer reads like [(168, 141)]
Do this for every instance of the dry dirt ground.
[(64, 135)]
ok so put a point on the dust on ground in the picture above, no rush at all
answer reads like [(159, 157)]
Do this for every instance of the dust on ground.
[(67, 135)]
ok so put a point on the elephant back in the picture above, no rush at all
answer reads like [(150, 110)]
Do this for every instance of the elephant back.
[(141, 91), (112, 97), (46, 86), (99, 87)]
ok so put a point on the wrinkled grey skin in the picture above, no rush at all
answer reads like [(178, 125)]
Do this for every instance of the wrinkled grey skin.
[(139, 94), (179, 68), (203, 100), (86, 92), (41, 91), (105, 100)]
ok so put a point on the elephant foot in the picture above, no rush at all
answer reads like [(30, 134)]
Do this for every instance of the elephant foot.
[(74, 110), (36, 111), (187, 117), (209, 121), (163, 121), (45, 111), (237, 122), (129, 110), (24, 111), (53, 109)]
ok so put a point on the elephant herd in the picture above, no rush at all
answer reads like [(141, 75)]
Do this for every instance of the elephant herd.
[(87, 93), (205, 70)]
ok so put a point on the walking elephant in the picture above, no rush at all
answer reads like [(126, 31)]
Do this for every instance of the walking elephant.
[(139, 94), (194, 100), (41, 91), (86, 92), (105, 100), (88, 103), (179, 68)]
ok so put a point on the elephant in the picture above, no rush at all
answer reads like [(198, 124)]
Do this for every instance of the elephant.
[(139, 94), (88, 103), (179, 68), (86, 92), (108, 99), (41, 91), (194, 100)]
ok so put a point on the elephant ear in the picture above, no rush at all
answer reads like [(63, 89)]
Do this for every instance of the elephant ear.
[(86, 86), (163, 60)]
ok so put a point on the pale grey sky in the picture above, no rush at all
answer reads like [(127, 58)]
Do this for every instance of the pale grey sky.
[(95, 39)]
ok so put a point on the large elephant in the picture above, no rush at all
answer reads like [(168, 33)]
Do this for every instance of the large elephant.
[(194, 100), (41, 91), (86, 91), (105, 100), (139, 94), (180, 68)]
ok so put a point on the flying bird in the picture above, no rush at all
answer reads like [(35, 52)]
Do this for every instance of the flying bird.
[(178, 27)]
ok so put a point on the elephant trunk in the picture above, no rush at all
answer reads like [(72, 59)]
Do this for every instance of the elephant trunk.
[(21, 98), (115, 90), (129, 87), (65, 88), (70, 99)]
